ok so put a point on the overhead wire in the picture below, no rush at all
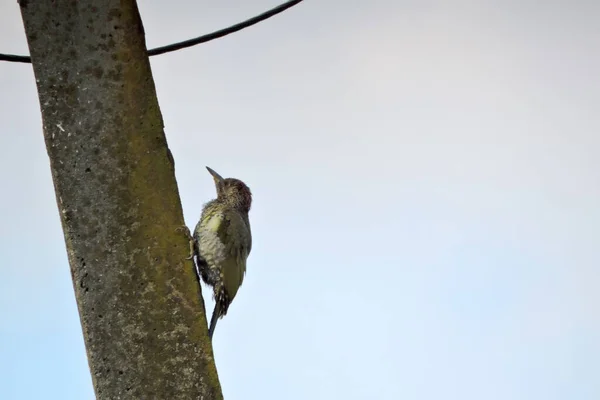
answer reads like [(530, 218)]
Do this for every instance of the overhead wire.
[(190, 42)]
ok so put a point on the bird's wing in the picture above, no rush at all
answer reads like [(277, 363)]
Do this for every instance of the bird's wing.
[(231, 230), (249, 241)]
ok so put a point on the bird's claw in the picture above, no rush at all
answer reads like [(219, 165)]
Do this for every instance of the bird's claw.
[(186, 231)]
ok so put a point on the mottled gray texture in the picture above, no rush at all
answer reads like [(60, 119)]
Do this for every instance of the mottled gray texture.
[(138, 298)]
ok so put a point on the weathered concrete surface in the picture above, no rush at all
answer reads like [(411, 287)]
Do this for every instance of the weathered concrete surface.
[(139, 302)]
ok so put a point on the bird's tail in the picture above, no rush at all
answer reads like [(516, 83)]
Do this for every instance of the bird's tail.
[(213, 320)]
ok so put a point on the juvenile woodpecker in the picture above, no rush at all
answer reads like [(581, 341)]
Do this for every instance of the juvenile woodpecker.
[(222, 242)]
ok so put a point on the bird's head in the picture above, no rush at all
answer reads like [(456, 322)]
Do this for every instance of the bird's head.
[(232, 191)]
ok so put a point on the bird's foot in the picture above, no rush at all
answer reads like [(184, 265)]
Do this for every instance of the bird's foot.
[(186, 231)]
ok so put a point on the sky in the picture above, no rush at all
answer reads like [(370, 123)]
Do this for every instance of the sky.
[(426, 184)]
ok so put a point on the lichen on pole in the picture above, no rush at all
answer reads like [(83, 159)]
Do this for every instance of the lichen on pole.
[(138, 297)]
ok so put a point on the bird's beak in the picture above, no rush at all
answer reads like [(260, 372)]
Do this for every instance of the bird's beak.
[(218, 178)]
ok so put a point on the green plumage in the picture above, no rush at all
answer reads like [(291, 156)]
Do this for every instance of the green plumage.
[(223, 241)]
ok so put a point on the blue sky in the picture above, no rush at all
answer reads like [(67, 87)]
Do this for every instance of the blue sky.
[(426, 190)]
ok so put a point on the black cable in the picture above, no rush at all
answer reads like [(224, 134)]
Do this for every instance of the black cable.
[(190, 42), (15, 58)]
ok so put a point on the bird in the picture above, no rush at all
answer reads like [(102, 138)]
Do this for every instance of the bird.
[(222, 242)]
